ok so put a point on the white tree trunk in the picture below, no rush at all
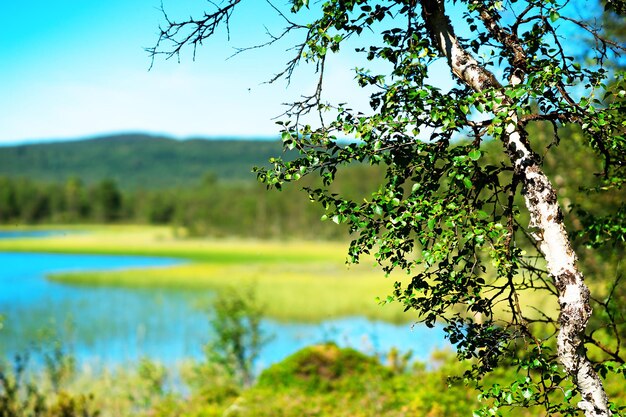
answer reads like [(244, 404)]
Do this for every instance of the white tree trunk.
[(545, 214)]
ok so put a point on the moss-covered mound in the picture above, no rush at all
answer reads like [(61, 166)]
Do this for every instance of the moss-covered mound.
[(325, 367)]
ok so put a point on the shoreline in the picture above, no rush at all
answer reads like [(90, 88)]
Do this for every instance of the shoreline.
[(297, 280)]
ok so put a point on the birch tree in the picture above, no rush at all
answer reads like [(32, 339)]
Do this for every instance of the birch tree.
[(478, 241)]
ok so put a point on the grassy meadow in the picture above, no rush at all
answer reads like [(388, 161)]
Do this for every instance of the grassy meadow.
[(295, 280)]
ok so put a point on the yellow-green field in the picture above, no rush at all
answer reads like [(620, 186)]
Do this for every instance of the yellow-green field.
[(295, 280), (162, 241)]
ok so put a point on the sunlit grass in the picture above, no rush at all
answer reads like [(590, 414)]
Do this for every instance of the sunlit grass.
[(296, 280), (163, 241), (289, 291)]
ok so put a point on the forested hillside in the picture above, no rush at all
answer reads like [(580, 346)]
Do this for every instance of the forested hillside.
[(206, 186), (137, 161)]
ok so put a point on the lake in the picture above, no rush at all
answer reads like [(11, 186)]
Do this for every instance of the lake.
[(12, 234), (108, 325)]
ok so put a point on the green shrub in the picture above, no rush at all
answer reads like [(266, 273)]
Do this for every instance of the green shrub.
[(238, 337), (21, 395), (325, 368), (325, 380)]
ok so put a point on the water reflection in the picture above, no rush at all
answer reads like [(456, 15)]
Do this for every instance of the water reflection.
[(115, 325)]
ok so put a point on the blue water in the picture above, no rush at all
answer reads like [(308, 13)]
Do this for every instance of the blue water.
[(12, 234), (110, 325), (371, 337), (104, 323)]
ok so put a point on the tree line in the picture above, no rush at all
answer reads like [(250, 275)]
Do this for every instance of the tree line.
[(208, 208), (212, 207)]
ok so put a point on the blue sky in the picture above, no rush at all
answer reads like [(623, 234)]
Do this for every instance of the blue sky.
[(75, 68)]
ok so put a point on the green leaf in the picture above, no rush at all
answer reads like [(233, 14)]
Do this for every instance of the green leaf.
[(508, 397), (474, 155), (554, 15)]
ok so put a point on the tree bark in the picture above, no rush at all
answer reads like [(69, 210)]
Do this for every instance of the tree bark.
[(546, 217)]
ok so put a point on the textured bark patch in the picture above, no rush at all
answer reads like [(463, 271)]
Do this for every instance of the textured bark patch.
[(462, 61), (563, 280)]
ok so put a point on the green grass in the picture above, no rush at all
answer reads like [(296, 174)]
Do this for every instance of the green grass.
[(161, 241), (295, 280), (317, 381), (288, 291)]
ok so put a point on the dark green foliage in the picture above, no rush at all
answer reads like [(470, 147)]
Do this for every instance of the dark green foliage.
[(137, 161), (211, 208), (26, 201), (106, 201), (9, 208)]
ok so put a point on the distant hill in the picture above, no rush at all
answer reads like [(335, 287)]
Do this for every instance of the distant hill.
[(137, 160)]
